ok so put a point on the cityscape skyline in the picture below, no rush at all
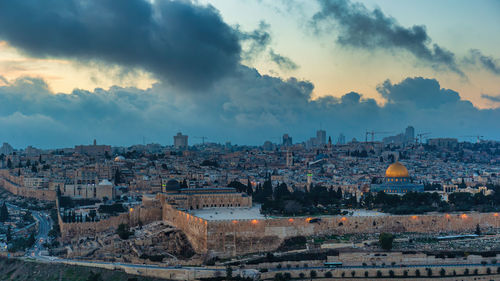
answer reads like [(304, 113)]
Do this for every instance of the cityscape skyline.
[(245, 81), (180, 140), (211, 140)]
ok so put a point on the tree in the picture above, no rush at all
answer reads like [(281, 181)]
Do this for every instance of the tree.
[(249, 187), (94, 277), (92, 214), (385, 240), (328, 274), (118, 177), (229, 273), (478, 230), (429, 272), (313, 274), (9, 235), (4, 213), (9, 163), (442, 272), (31, 240), (123, 231)]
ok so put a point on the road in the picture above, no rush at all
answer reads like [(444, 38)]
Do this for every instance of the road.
[(44, 225)]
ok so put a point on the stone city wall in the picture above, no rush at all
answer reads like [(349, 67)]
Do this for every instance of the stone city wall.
[(8, 184), (228, 238), (133, 218), (195, 228)]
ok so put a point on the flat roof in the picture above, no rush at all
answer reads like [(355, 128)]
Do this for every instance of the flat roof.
[(229, 213), (254, 213)]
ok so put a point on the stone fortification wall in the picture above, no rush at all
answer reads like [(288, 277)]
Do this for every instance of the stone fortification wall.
[(235, 237), (244, 236), (195, 228), (8, 183), (138, 215)]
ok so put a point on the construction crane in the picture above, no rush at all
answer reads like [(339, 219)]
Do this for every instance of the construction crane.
[(373, 133), (419, 137), (202, 139), (478, 138)]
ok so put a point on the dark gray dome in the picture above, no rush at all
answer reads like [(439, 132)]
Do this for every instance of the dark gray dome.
[(172, 185)]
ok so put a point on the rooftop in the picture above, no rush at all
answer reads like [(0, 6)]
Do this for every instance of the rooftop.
[(229, 213), (254, 213)]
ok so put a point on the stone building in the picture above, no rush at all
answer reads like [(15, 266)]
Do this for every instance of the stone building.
[(198, 198), (89, 191)]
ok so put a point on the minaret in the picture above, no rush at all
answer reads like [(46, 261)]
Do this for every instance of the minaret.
[(289, 158)]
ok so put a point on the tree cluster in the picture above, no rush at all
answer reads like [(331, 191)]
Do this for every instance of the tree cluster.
[(418, 203), (279, 200)]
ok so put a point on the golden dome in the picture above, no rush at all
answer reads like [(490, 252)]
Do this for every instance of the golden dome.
[(396, 170)]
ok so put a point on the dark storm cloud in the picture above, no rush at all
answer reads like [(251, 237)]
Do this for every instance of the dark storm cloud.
[(361, 28), (491, 97), (284, 63), (179, 42), (243, 107), (424, 93), (476, 57), (257, 40)]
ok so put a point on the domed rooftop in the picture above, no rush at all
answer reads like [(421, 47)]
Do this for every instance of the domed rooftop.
[(172, 185), (119, 158), (105, 182), (396, 170)]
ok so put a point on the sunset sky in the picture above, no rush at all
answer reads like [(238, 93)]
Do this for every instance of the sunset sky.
[(245, 71)]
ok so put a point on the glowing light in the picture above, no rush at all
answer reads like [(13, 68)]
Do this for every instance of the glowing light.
[(414, 217), (131, 209), (290, 220), (463, 216), (308, 219), (495, 214), (343, 219), (235, 221), (447, 216), (255, 221)]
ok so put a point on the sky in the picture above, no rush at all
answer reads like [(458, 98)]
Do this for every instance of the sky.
[(245, 71)]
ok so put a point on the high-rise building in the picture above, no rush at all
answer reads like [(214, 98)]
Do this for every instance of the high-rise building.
[(410, 134), (341, 139), (180, 141), (287, 140), (320, 137), (6, 149)]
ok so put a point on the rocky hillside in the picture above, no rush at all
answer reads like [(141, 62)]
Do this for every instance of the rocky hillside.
[(155, 242)]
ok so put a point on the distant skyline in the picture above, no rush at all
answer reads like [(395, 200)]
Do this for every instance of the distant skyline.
[(245, 71)]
